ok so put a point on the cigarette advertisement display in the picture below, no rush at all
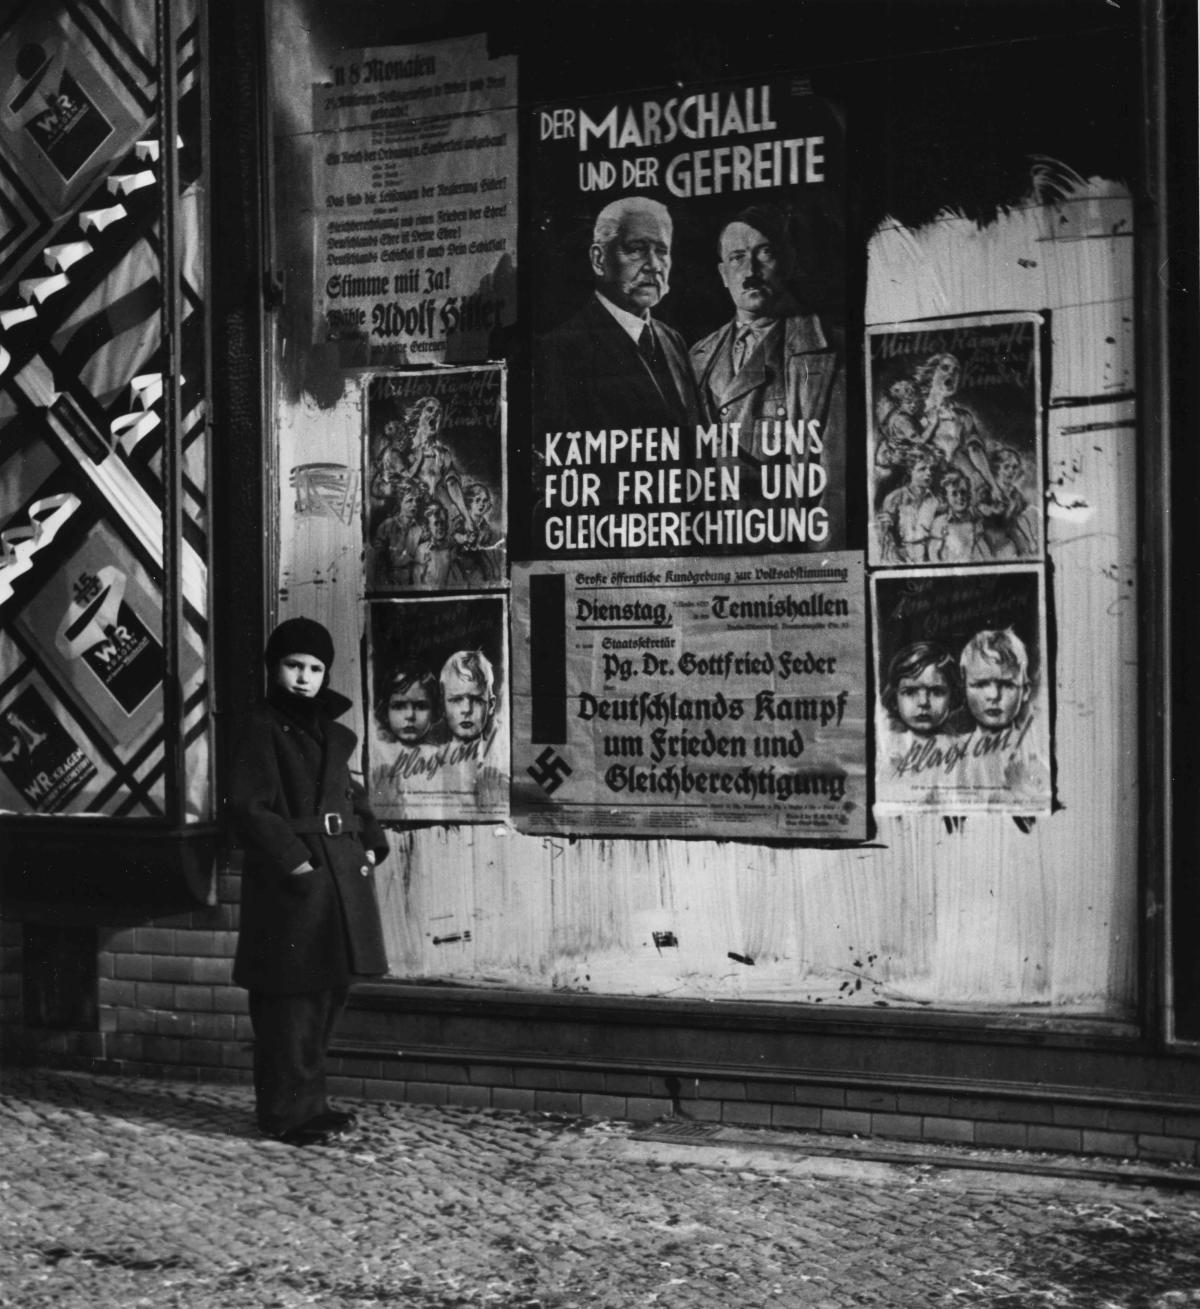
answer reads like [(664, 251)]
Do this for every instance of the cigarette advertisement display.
[(438, 746), (691, 698), (64, 113), (963, 706), (436, 493), (689, 375), (97, 623), (956, 450), (416, 162), (46, 765)]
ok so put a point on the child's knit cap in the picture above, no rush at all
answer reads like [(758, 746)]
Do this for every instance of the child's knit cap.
[(299, 636)]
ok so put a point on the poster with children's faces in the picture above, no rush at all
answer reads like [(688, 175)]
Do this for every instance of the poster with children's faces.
[(438, 739), (955, 449), (436, 509), (963, 681)]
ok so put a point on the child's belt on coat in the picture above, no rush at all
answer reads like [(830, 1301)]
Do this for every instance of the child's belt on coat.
[(331, 824)]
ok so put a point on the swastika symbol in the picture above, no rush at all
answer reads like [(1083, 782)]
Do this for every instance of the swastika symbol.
[(551, 770)]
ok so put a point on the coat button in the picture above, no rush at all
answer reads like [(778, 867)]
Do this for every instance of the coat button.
[(365, 869)]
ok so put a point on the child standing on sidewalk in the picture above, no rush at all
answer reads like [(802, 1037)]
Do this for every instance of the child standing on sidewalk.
[(309, 917)]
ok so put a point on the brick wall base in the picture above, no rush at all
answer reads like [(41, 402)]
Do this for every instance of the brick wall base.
[(1117, 1131), (167, 1008)]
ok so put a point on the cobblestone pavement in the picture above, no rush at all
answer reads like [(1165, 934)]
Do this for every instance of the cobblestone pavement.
[(132, 1192)]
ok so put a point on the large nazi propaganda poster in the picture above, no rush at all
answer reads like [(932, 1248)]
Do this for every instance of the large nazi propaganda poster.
[(689, 648), (689, 376)]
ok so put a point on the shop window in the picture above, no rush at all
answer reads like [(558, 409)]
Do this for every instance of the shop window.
[(104, 469)]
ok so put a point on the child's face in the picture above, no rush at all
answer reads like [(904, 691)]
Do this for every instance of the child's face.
[(945, 374), (923, 701), (300, 674), (479, 505), (958, 495), (1006, 471), (467, 707), (994, 693), (921, 475), (438, 525), (905, 394), (410, 714), (427, 424)]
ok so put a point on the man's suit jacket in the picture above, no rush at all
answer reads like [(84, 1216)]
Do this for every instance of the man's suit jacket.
[(589, 375), (795, 374)]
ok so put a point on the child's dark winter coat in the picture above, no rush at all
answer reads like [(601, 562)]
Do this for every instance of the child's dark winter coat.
[(291, 786)]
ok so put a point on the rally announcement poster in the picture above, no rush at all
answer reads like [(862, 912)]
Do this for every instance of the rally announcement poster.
[(689, 305), (963, 704), (691, 698), (436, 494), (956, 450), (438, 745), (416, 163)]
